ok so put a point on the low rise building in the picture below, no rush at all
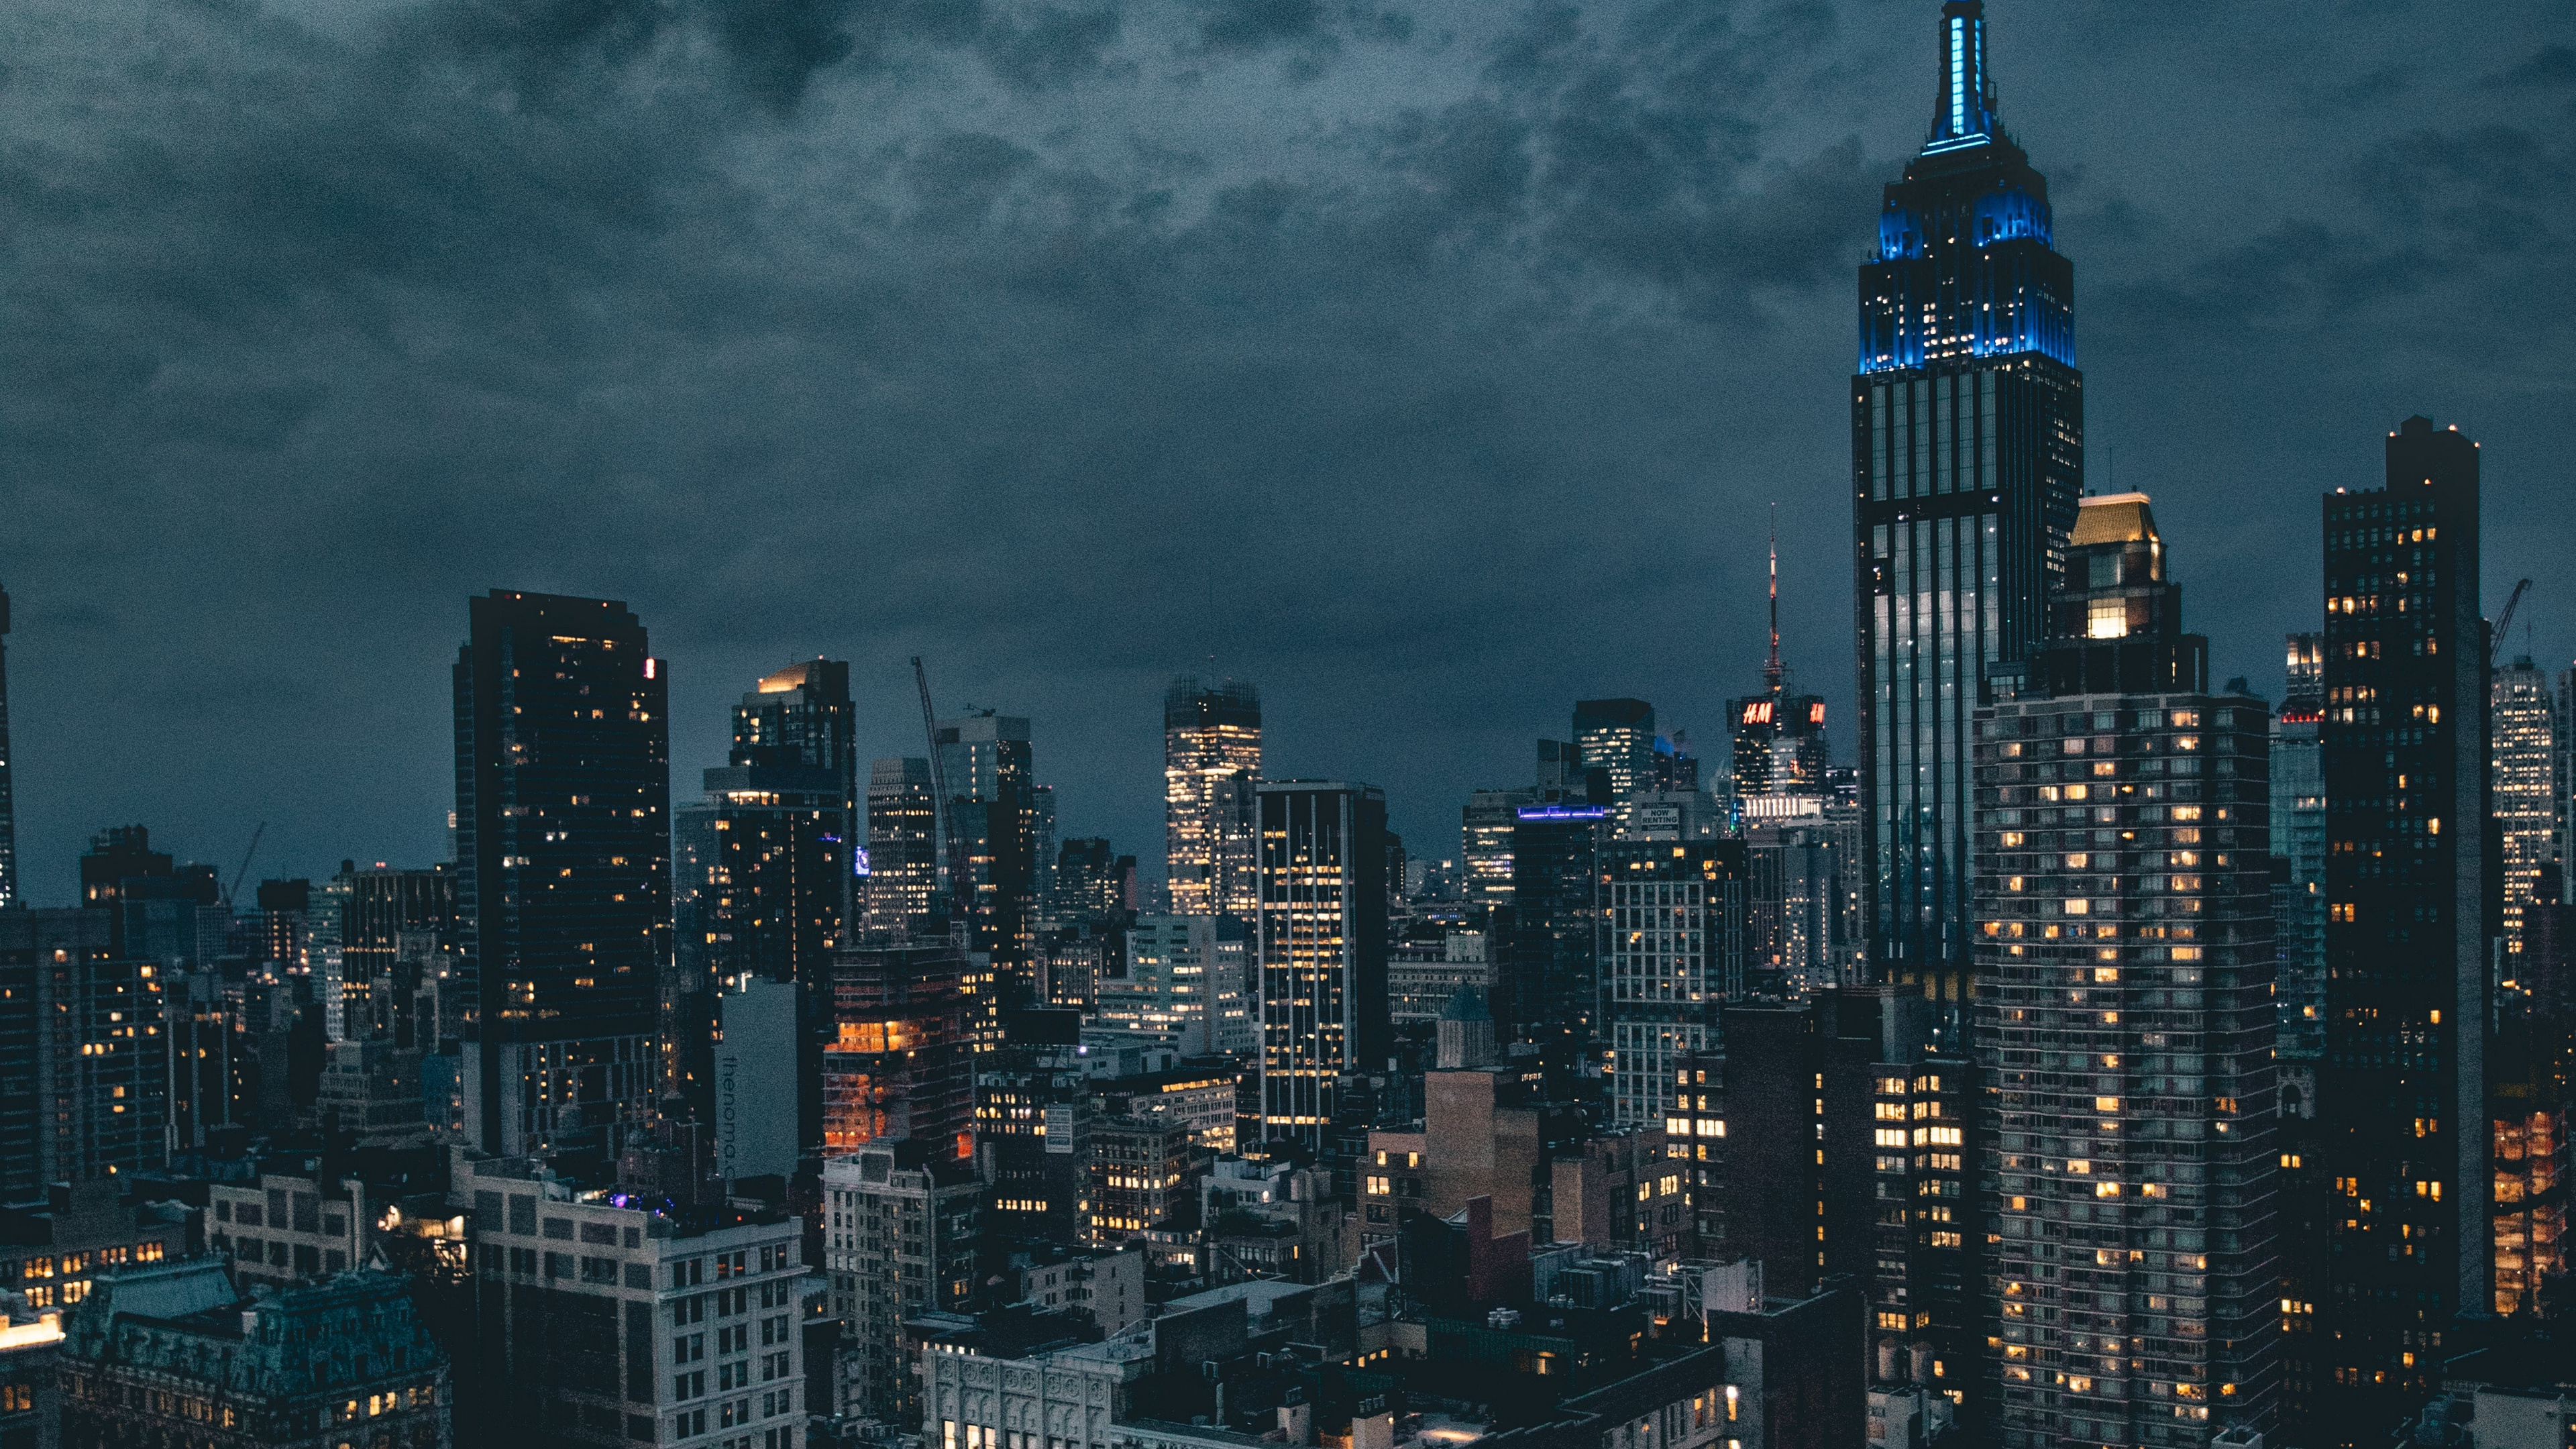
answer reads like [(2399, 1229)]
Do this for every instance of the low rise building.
[(169, 1353), (31, 1342), (609, 1324), (50, 1253)]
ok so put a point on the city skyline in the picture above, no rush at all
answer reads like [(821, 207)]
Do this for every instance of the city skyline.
[(225, 618)]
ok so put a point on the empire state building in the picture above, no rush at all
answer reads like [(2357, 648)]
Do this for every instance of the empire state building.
[(1967, 464)]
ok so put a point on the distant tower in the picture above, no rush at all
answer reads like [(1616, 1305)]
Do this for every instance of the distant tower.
[(8, 799), (1967, 463), (1780, 746), (1211, 762)]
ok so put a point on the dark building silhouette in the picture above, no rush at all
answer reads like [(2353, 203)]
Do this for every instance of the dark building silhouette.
[(1967, 460), (762, 879), (2412, 903), (1547, 986), (985, 759), (84, 1066), (8, 790), (563, 832)]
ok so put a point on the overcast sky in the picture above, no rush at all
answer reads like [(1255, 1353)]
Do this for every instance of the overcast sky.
[(1431, 363)]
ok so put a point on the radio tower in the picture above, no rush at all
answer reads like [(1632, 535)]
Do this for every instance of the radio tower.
[(1775, 674)]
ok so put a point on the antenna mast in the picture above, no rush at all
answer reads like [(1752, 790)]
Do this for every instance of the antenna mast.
[(1774, 673)]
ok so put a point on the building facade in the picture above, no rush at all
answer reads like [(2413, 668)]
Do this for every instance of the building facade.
[(605, 1324), (1967, 460), (1188, 983), (901, 865), (899, 1224), (2126, 1023), (1211, 766), (1322, 943), (1547, 987), (168, 1353), (2409, 883), (2528, 792), (563, 831), (84, 1056), (985, 759), (1675, 939)]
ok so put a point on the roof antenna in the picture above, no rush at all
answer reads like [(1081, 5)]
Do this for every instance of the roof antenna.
[(1772, 672)]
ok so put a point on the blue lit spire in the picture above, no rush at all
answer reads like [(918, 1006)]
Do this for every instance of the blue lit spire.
[(1967, 109)]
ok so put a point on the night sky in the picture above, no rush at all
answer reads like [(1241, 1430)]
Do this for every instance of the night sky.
[(1430, 364)]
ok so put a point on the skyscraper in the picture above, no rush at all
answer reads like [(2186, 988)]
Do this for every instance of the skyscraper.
[(2409, 884), (1322, 944), (1967, 460), (901, 864), (2527, 790), (1211, 763), (986, 761), (762, 877), (563, 787), (1617, 735), (8, 795), (2125, 1025), (1547, 986)]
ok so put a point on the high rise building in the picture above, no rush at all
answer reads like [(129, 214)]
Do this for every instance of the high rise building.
[(2299, 841), (8, 793), (1618, 735), (84, 1058), (2125, 1023), (1807, 930), (1322, 943), (1186, 985), (1967, 460), (2411, 880), (1675, 934), (986, 761), (1547, 986), (896, 1062), (1211, 765), (563, 788), (901, 865), (117, 855), (898, 1242), (761, 880), (2528, 793)]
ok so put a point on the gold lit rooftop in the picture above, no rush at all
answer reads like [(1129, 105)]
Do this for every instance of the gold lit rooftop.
[(2114, 518)]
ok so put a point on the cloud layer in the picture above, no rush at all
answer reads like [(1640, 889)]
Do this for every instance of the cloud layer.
[(1431, 364)]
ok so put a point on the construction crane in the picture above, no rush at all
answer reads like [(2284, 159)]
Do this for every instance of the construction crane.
[(949, 865), (2504, 623), (244, 868)]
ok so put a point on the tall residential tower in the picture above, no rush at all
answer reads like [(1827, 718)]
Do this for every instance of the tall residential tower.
[(1967, 460)]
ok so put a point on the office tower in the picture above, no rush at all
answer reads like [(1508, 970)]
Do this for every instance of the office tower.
[(1187, 985), (563, 797), (1967, 459), (164, 1353), (899, 1235), (1807, 931), (901, 865), (2299, 840), (2125, 1022), (1675, 927), (896, 1064), (8, 794), (1547, 987), (1092, 882), (1322, 939), (1617, 735), (1211, 765), (1485, 826), (2410, 878), (385, 904), (2527, 790), (985, 758), (84, 1065)]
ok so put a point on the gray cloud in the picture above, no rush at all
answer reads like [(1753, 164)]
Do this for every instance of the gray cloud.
[(1432, 364)]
